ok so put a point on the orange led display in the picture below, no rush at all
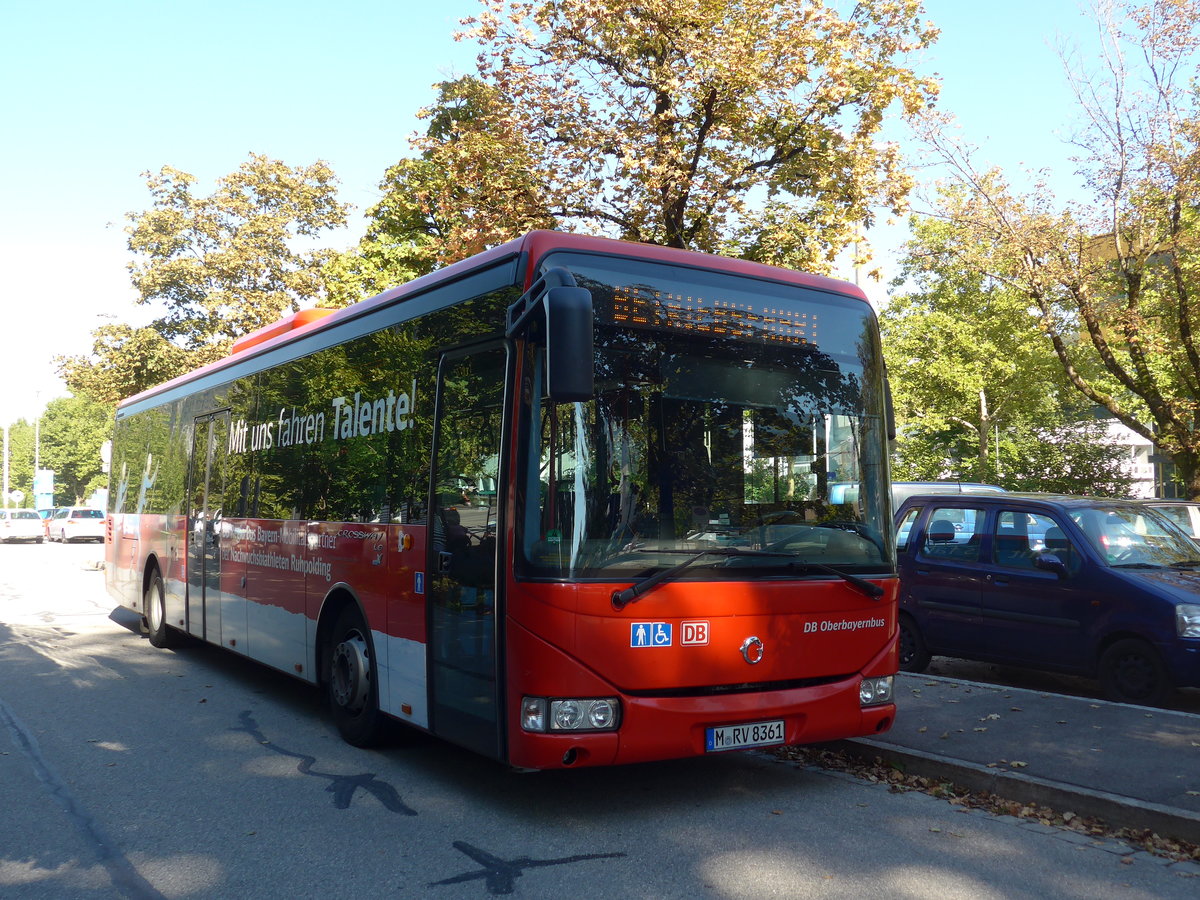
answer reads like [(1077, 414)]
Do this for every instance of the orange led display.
[(642, 308)]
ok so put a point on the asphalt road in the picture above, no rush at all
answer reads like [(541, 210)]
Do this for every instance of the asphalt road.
[(127, 771)]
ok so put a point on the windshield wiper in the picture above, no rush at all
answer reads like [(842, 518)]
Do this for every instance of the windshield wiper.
[(621, 599), (1185, 564), (871, 589)]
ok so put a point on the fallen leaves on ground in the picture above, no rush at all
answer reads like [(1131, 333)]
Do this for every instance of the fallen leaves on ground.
[(878, 772)]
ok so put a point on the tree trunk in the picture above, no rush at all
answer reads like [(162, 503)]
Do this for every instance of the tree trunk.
[(1187, 468)]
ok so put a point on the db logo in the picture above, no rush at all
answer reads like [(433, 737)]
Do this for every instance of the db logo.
[(694, 633)]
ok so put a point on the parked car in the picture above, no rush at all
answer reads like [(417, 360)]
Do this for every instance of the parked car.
[(46, 515), (77, 523), (20, 525), (847, 491), (1184, 513), (1104, 588)]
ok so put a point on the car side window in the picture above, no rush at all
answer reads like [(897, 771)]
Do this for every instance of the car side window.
[(1020, 537), (1055, 541), (1176, 514), (950, 534), (904, 529), (1012, 545)]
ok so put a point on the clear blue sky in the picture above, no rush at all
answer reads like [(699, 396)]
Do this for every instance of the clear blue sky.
[(96, 93)]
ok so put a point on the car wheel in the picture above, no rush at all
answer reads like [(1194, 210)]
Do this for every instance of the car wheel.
[(1131, 672), (914, 657), (155, 608), (352, 680)]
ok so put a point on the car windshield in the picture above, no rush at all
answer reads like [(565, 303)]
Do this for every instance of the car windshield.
[(707, 433), (1135, 537), (23, 514)]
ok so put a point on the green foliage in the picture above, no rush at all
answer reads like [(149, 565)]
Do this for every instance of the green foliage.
[(978, 392), (72, 430), (432, 210), (1112, 279), (219, 267), (125, 360), (20, 462), (749, 128), (69, 434)]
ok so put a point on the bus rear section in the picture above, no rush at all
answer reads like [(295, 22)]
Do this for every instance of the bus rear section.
[(586, 522)]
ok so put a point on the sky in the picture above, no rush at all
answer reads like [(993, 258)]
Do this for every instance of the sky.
[(98, 93)]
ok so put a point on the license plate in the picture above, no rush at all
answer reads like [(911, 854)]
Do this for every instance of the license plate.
[(737, 737)]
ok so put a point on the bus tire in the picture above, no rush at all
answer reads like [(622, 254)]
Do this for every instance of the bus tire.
[(1131, 672), (914, 656), (154, 605), (353, 680)]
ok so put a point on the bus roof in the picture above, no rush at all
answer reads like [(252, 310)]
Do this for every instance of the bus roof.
[(529, 249)]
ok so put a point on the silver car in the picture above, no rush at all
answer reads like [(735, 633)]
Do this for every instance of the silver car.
[(20, 525), (77, 523)]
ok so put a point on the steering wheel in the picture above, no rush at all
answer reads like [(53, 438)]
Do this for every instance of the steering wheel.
[(1127, 555)]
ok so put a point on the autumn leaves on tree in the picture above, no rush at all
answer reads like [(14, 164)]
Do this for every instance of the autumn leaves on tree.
[(750, 128)]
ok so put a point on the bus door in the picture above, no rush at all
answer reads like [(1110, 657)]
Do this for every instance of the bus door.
[(206, 491), (466, 695)]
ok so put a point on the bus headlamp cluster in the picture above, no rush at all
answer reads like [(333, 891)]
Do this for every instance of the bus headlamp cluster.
[(875, 691), (583, 714)]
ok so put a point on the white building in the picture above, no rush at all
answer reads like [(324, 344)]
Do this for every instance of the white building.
[(1138, 463)]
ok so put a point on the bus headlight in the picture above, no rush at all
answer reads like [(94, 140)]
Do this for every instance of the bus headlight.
[(875, 691), (583, 714), (1187, 620)]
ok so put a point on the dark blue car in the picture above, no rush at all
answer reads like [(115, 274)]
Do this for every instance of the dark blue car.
[(1104, 588)]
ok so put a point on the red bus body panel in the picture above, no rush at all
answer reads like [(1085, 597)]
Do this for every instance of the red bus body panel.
[(661, 718)]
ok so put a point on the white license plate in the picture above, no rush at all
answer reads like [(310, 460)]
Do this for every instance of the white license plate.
[(737, 737)]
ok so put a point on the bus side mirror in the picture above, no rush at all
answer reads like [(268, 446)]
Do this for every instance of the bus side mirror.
[(570, 372), (565, 311)]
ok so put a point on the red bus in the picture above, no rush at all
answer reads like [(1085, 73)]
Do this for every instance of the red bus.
[(564, 503)]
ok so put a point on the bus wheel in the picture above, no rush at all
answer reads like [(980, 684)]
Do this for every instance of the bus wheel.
[(352, 683), (914, 657), (154, 604), (1131, 672)]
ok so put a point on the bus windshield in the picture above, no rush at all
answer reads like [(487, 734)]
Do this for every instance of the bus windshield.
[(726, 407)]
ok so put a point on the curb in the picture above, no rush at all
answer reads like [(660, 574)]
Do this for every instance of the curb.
[(1115, 809)]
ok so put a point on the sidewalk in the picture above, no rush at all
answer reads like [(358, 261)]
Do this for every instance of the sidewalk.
[(1130, 765)]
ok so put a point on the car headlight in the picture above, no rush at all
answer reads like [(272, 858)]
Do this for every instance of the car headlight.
[(1187, 620), (875, 691), (570, 714)]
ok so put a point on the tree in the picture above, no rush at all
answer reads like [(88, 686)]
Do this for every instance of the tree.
[(20, 449), (125, 360), (428, 214), (749, 128), (218, 266), (990, 402), (1113, 280), (72, 430)]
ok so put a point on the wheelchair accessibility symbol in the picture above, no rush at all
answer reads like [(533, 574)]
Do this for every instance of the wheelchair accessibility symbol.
[(650, 634)]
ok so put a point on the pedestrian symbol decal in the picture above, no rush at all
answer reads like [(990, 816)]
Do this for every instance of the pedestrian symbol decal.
[(650, 634)]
